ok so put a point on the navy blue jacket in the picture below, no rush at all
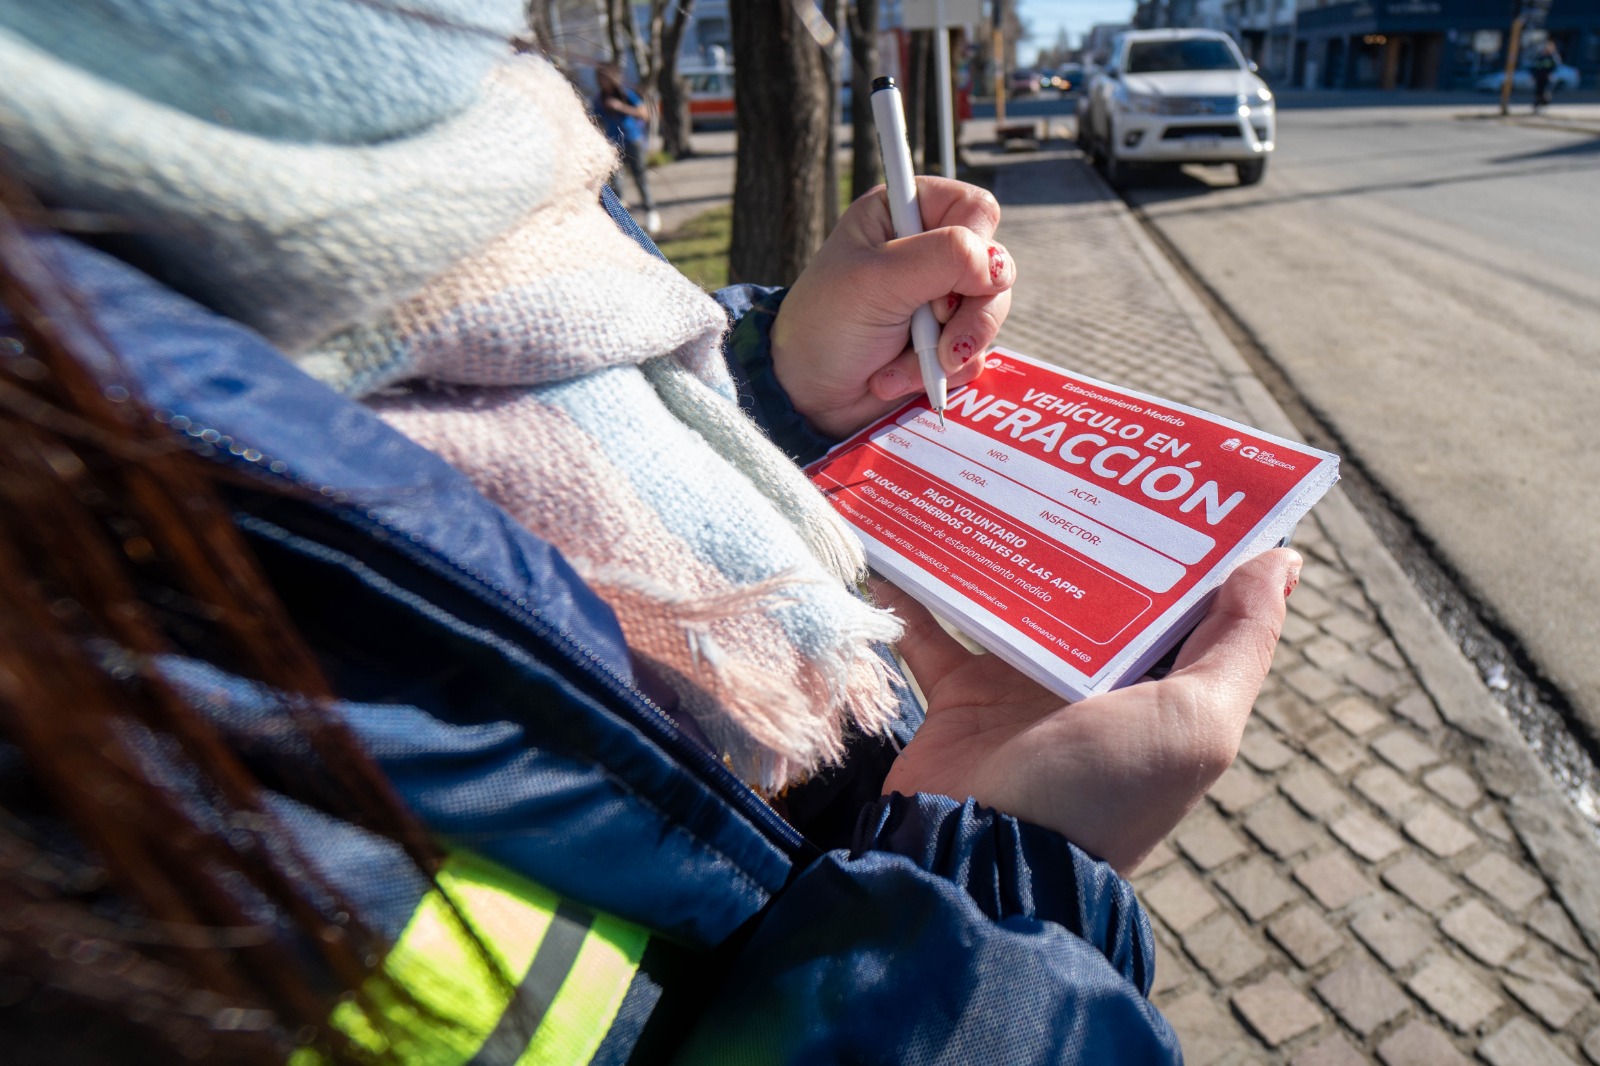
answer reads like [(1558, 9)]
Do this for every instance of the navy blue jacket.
[(495, 690)]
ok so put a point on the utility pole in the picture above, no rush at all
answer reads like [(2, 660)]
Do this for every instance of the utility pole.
[(834, 11), (999, 40), (941, 72), (934, 103), (1513, 49)]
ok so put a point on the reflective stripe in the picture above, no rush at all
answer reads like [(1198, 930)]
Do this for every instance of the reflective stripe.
[(546, 974), (564, 973), (583, 1010)]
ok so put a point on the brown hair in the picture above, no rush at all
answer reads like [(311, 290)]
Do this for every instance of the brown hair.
[(112, 538)]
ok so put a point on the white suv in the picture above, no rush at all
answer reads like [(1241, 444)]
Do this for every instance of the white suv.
[(1177, 96)]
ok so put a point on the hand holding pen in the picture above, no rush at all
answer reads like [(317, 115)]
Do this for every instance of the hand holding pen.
[(839, 342)]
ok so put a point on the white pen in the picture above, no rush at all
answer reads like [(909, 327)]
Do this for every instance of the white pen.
[(890, 117)]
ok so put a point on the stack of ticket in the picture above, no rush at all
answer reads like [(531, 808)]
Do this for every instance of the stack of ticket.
[(1072, 527)]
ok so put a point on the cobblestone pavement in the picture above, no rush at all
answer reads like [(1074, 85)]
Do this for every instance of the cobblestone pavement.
[(1385, 874)]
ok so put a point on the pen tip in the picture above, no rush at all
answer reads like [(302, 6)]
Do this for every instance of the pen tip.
[(940, 412)]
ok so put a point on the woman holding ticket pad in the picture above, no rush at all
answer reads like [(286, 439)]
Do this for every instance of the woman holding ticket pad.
[(469, 671)]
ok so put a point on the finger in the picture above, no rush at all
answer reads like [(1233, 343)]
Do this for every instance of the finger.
[(902, 377), (1230, 651), (966, 373), (928, 650), (928, 267), (970, 332), (946, 202), (897, 379), (941, 202)]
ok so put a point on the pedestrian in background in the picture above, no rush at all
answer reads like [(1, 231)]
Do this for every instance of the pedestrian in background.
[(1544, 70), (625, 118)]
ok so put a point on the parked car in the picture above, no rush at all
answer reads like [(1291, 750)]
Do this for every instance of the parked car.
[(1565, 78), (1024, 82), (1069, 79), (1177, 96), (710, 95)]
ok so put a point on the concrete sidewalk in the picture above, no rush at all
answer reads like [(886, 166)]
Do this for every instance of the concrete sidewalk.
[(1387, 874), (690, 186)]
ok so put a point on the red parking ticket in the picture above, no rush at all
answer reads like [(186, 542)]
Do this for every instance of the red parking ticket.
[(1075, 528)]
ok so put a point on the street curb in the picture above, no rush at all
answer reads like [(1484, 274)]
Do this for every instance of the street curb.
[(1560, 842)]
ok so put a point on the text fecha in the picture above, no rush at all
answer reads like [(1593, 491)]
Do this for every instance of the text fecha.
[(1097, 451)]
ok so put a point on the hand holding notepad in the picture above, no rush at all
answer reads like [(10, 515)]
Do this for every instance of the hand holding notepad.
[(1074, 528)]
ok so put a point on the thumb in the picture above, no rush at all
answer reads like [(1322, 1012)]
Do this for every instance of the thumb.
[(1232, 647)]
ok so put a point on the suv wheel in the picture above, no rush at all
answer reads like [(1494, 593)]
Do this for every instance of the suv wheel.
[(1251, 172), (1114, 171)]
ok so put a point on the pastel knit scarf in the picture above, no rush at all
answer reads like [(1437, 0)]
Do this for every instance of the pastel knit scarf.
[(464, 280)]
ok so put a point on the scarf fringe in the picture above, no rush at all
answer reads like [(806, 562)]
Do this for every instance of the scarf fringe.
[(783, 727)]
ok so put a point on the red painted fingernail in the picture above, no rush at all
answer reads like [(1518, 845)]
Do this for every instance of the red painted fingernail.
[(966, 347), (1293, 582), (951, 301), (997, 265)]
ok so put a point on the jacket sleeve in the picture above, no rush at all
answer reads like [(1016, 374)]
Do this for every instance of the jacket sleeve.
[(947, 933), (748, 352)]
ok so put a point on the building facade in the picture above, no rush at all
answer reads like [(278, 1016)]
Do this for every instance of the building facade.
[(1164, 14), (1265, 30), (1430, 44), (1389, 44)]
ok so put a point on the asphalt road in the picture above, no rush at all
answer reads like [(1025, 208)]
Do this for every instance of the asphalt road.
[(1428, 279)]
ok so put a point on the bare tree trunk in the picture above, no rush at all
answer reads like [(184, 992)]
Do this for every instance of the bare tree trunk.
[(630, 41), (833, 10), (618, 18), (540, 26), (781, 120), (675, 126), (866, 165), (624, 38)]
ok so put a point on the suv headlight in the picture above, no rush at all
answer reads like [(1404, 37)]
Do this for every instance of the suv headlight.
[(1141, 102), (1259, 99)]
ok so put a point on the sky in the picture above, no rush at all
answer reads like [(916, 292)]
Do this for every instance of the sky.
[(1048, 17)]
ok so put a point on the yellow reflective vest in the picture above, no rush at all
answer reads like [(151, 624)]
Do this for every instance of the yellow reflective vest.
[(562, 975)]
